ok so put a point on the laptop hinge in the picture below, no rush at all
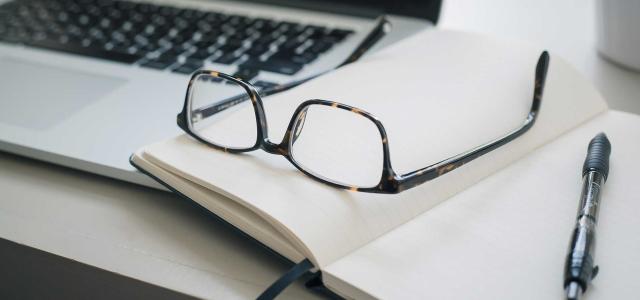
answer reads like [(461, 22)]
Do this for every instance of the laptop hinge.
[(421, 9)]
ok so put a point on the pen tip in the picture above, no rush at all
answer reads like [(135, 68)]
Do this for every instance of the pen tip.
[(573, 291)]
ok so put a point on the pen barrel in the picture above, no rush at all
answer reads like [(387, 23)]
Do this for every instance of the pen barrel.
[(592, 183), (579, 265)]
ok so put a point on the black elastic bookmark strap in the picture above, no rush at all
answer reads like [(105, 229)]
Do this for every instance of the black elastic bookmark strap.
[(277, 287), (316, 285)]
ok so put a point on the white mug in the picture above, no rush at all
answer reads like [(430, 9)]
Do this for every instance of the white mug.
[(618, 31)]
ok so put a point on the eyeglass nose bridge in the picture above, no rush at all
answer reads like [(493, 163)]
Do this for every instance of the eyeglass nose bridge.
[(293, 132), (274, 148)]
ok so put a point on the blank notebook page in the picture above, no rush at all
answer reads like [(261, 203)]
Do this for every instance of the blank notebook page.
[(507, 237)]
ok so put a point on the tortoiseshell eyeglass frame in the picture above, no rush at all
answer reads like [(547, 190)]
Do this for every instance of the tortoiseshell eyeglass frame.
[(390, 182)]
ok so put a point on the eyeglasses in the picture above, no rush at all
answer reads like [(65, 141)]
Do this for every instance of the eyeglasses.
[(234, 121)]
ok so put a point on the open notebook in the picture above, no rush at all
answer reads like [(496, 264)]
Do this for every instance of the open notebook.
[(507, 215)]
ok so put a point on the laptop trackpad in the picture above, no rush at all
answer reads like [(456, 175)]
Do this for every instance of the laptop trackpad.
[(39, 96)]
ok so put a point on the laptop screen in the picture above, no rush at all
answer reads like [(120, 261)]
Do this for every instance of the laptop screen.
[(424, 9)]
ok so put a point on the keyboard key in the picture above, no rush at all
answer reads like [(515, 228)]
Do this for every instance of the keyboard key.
[(87, 51), (260, 84), (152, 47), (200, 54), (187, 68), (316, 35), (246, 74), (174, 51), (304, 58), (320, 47), (291, 44), (193, 61), (227, 59), (313, 28), (340, 34), (273, 65), (228, 51), (211, 36), (158, 64), (257, 50), (265, 39), (294, 31)]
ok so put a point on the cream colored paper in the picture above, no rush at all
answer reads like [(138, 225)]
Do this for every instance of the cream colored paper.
[(438, 94), (225, 208), (507, 237)]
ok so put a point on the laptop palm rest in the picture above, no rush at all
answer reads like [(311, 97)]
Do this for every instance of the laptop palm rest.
[(37, 96)]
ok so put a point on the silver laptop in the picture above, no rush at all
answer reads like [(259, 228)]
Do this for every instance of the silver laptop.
[(84, 83)]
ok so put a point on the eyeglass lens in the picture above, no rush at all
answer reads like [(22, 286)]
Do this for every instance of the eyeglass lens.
[(221, 112), (337, 145)]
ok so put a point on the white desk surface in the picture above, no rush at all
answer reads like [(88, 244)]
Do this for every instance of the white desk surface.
[(564, 27), (158, 238)]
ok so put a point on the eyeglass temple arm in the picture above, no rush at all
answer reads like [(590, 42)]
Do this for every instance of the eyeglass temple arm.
[(382, 27), (418, 177), (209, 110)]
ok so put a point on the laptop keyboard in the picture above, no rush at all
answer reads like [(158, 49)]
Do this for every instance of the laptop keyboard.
[(165, 37)]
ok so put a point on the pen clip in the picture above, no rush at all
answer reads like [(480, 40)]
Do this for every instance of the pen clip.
[(595, 272)]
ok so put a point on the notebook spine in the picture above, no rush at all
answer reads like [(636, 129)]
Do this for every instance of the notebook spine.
[(210, 213), (314, 283)]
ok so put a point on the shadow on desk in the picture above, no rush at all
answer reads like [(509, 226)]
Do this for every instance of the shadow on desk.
[(28, 273), (154, 241)]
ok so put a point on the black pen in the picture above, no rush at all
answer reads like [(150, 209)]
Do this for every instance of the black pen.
[(579, 268)]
